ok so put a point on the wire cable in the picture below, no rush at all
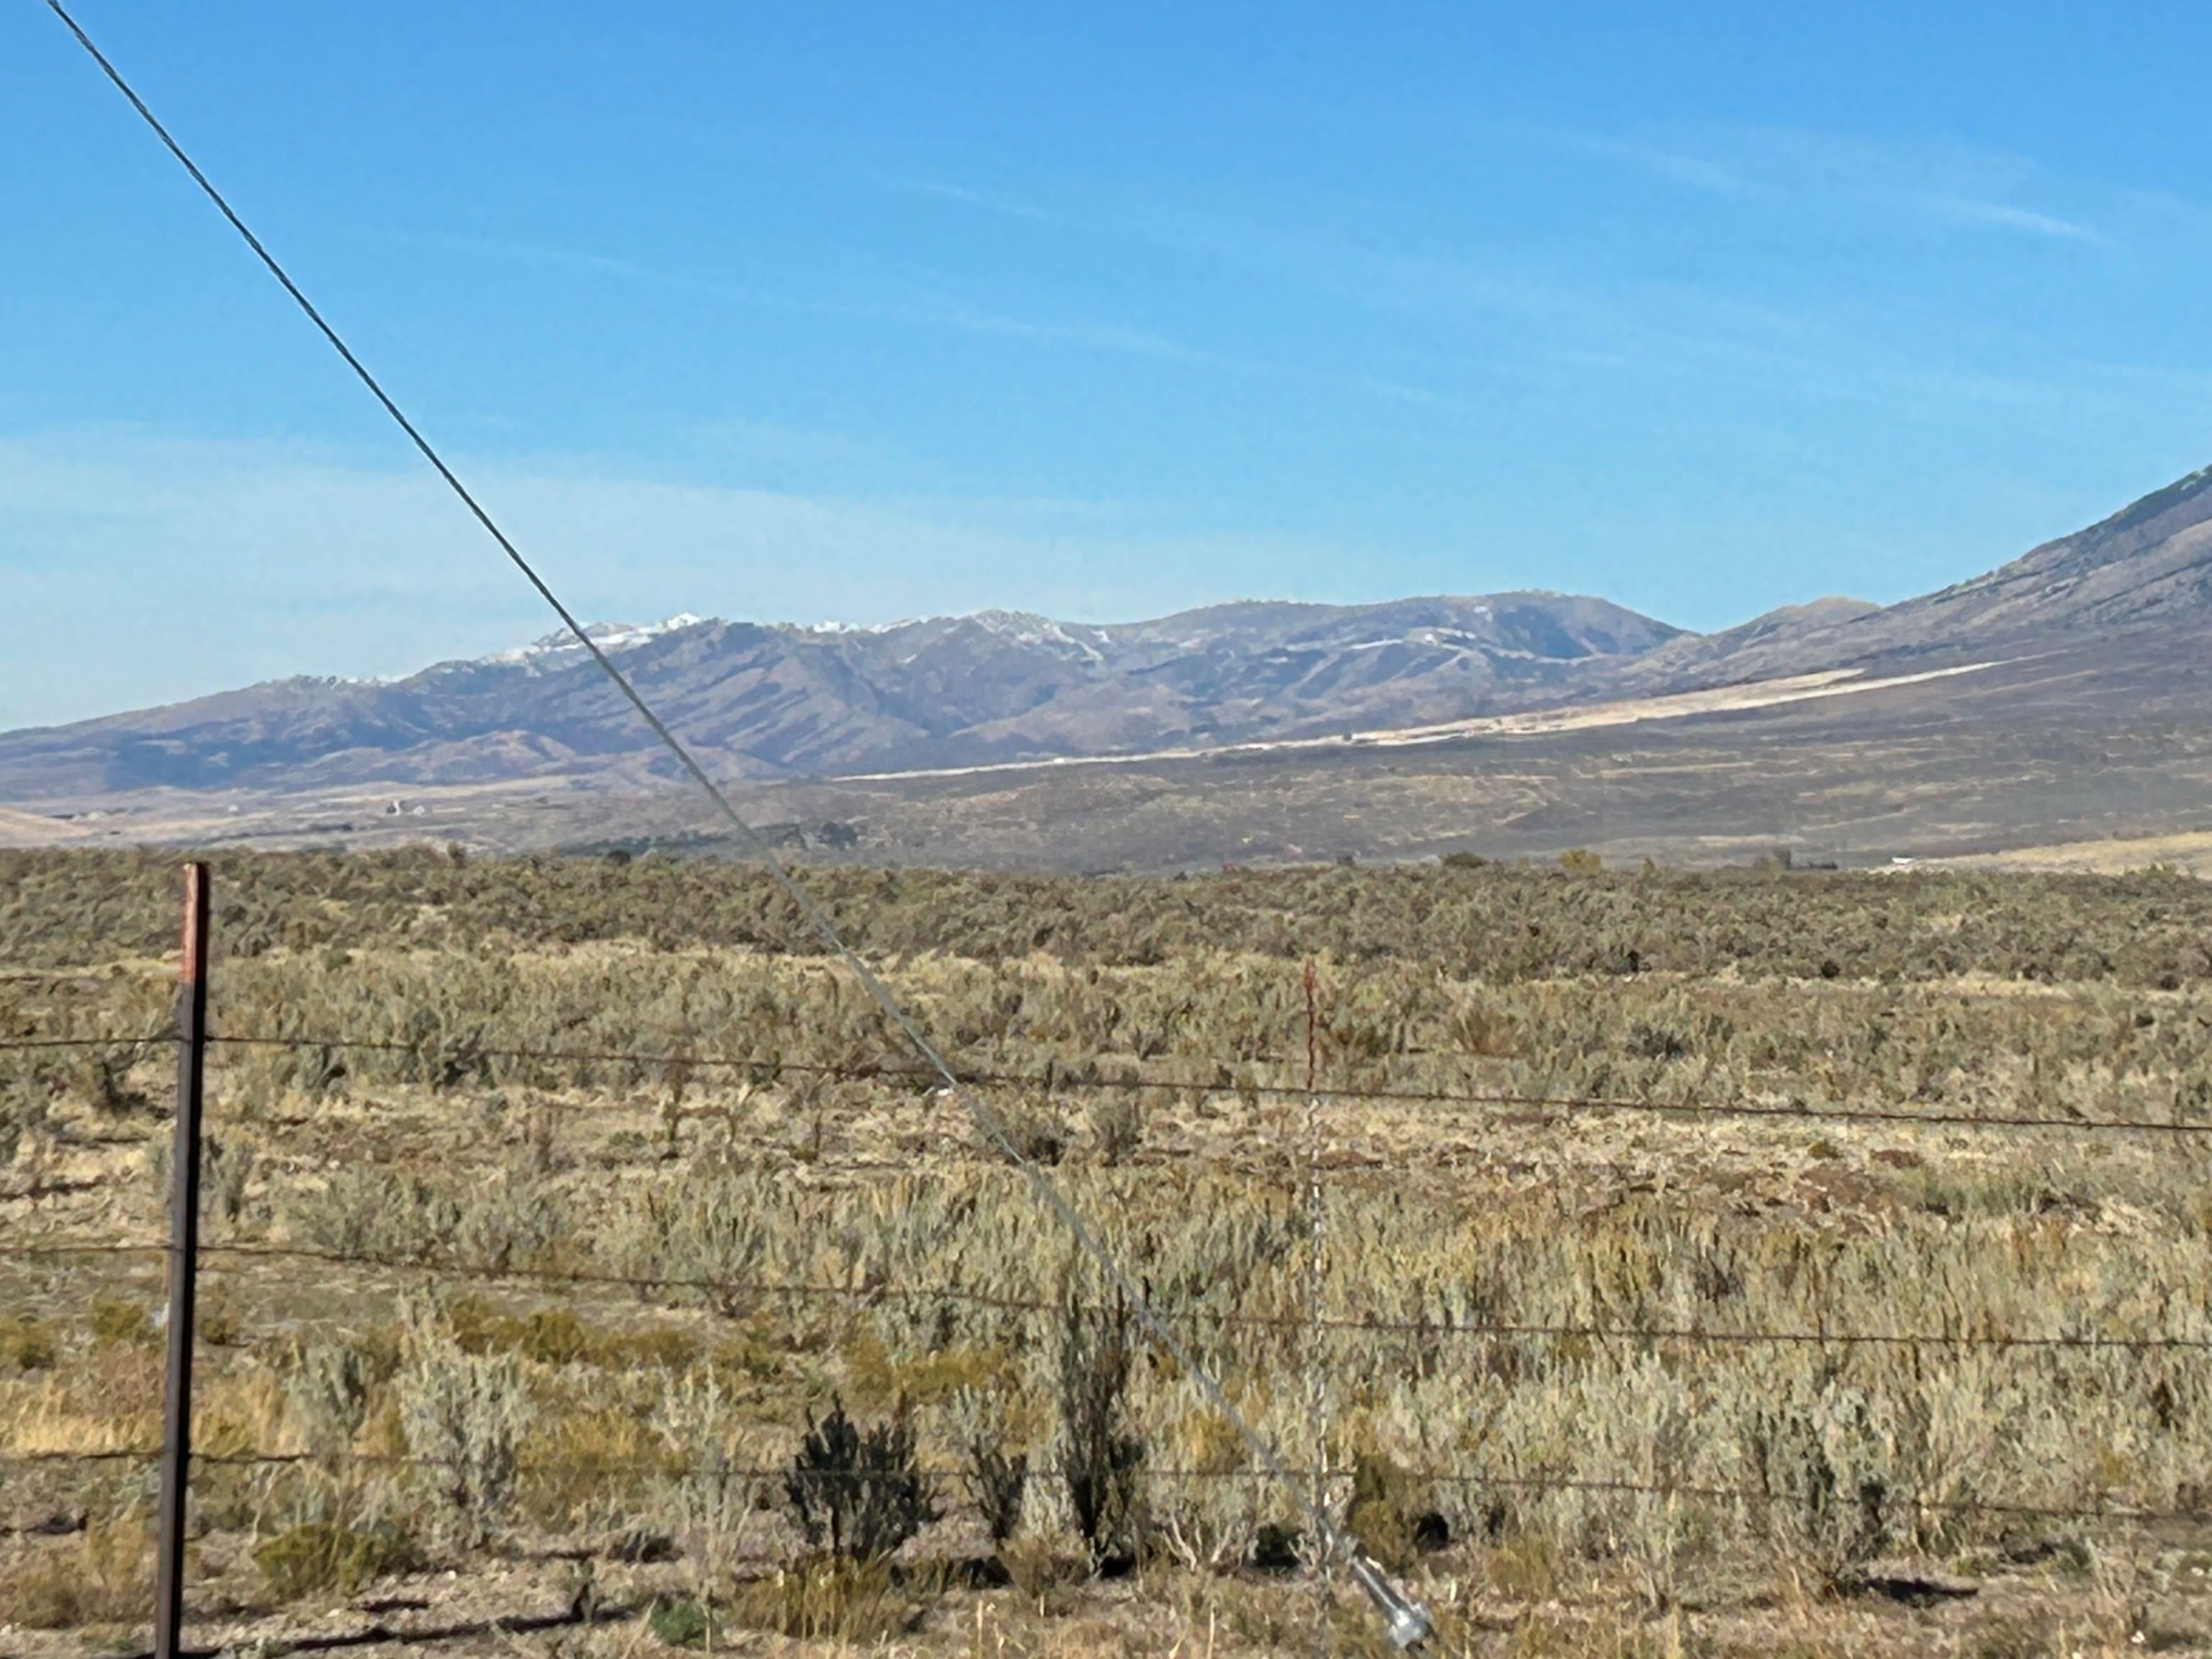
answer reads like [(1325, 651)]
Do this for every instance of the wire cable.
[(44, 1250), (121, 1455), (1289, 1323), (1053, 1081), (1408, 1624), (19, 1045), (1537, 1484)]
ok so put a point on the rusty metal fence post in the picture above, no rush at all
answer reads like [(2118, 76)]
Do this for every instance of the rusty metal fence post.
[(184, 1267), (1316, 1364)]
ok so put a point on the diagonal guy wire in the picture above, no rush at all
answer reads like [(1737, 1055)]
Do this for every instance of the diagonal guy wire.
[(1407, 1623)]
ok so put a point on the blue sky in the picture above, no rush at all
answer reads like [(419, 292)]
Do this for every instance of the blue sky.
[(801, 312)]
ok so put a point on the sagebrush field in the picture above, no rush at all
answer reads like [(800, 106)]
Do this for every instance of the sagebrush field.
[(582, 1250)]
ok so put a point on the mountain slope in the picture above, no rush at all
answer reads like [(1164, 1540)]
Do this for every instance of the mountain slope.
[(784, 702), (2145, 572), (772, 701), (1694, 658)]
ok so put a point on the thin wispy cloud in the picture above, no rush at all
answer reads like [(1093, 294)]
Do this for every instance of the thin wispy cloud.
[(1674, 167), (1372, 276), (1520, 316), (930, 309), (932, 300), (1792, 169), (553, 256), (2003, 216), (931, 303), (1909, 181), (945, 190), (399, 578), (946, 311), (1501, 313)]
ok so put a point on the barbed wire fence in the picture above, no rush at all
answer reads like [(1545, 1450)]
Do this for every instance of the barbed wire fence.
[(1405, 1621), (1303, 1174)]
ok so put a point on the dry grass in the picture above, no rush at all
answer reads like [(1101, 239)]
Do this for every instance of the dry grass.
[(645, 1428), (104, 1578)]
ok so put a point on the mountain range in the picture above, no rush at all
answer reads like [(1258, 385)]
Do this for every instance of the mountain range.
[(772, 702), (776, 700)]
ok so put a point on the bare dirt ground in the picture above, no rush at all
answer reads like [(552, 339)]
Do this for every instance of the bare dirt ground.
[(1580, 717)]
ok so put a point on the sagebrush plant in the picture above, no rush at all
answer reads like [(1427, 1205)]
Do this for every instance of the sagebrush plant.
[(226, 1171), (102, 1576), (27, 1091), (328, 1391), (1117, 1125), (1822, 1458), (711, 1489), (463, 1417), (1547, 1375)]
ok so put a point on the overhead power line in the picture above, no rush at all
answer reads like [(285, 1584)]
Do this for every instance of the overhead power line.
[(1407, 1623)]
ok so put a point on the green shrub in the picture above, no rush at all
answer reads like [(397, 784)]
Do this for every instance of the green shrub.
[(27, 1344), (27, 1093), (682, 1622), (114, 1322), (102, 1078), (327, 1392), (322, 1557), (1384, 1512), (1037, 1133)]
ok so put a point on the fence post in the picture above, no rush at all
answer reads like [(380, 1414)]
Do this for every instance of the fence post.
[(184, 1267), (1316, 1371)]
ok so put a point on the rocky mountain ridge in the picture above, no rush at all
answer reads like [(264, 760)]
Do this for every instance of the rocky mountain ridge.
[(783, 702), (780, 700)]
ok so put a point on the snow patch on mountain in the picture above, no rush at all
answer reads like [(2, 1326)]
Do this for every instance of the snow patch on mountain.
[(1026, 628), (608, 636)]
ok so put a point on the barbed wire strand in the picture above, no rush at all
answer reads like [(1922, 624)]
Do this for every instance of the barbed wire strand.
[(1394, 1611), (46, 1250), (19, 1045), (1051, 1081), (1440, 1329), (672, 1469), (127, 1454), (1412, 1328)]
